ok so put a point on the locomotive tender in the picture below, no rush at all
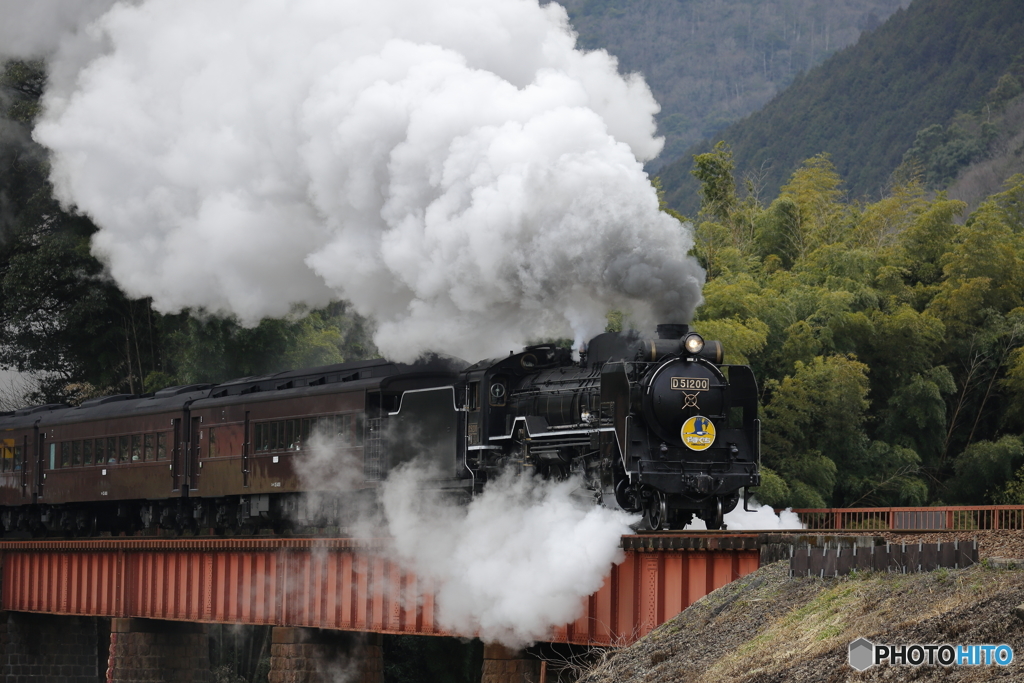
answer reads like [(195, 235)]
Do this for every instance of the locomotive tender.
[(660, 427)]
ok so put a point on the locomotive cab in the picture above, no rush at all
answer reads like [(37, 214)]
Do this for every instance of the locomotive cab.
[(500, 411)]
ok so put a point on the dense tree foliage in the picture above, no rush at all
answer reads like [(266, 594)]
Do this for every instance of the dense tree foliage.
[(888, 336), (898, 89), (942, 152), (712, 62)]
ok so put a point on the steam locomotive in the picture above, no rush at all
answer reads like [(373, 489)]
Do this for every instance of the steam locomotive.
[(654, 426)]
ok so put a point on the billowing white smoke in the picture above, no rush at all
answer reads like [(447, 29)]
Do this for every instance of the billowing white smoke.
[(41, 27), (760, 518), (454, 168), (330, 470), (516, 562), (47, 28)]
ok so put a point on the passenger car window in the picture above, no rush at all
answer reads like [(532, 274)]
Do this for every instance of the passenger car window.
[(292, 433)]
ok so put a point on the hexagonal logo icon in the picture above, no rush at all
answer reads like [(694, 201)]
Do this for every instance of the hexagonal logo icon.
[(862, 654)]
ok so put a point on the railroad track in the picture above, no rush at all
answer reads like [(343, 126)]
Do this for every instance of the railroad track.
[(808, 532)]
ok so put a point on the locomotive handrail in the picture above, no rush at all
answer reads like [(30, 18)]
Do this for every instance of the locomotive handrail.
[(938, 518)]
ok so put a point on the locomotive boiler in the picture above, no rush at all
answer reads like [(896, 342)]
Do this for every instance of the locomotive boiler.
[(654, 426)]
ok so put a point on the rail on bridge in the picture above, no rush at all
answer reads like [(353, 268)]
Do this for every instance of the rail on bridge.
[(340, 584), (948, 518)]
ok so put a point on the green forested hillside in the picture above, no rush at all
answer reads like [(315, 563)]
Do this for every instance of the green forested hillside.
[(712, 62), (866, 104), (990, 144), (888, 337)]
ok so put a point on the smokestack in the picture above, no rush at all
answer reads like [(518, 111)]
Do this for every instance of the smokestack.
[(672, 330)]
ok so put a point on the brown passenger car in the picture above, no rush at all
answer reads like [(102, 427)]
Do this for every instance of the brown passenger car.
[(248, 435), (19, 469), (210, 456)]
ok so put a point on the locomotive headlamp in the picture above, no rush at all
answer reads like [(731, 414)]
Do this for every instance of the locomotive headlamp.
[(694, 344)]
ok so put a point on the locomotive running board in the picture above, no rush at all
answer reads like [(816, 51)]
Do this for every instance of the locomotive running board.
[(548, 434)]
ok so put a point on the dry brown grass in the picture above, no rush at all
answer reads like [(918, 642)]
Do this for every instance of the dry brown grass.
[(768, 627)]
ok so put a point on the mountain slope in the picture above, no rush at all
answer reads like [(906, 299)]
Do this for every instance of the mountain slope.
[(711, 63), (1003, 157), (865, 104)]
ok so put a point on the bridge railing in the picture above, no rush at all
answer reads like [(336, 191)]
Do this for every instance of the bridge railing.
[(952, 518)]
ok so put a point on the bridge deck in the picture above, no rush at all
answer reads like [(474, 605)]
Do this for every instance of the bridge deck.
[(338, 583)]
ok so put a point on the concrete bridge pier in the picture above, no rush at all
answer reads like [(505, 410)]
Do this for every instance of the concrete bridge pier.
[(153, 650), (309, 655), (504, 665), (45, 648), (51, 649)]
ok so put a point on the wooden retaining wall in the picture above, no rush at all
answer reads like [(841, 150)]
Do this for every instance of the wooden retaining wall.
[(903, 558)]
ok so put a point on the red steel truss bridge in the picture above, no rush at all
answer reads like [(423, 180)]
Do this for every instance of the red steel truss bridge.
[(339, 583), (344, 584)]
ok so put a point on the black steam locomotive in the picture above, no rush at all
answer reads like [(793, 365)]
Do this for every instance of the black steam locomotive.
[(659, 427)]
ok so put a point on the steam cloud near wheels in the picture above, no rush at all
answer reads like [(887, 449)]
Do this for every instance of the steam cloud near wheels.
[(457, 169), (516, 561)]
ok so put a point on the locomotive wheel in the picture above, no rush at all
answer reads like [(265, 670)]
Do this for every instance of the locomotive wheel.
[(656, 513), (87, 524), (626, 497), (716, 515), (731, 502)]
